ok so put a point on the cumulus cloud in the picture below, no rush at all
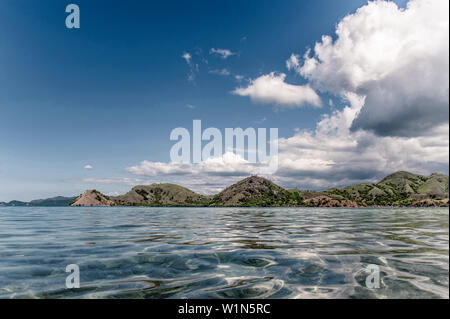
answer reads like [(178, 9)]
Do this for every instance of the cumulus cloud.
[(331, 155), (272, 88), (397, 58), (230, 164), (389, 66), (334, 155), (223, 53), (88, 167), (209, 176)]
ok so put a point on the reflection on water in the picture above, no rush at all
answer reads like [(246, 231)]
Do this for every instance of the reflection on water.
[(223, 252)]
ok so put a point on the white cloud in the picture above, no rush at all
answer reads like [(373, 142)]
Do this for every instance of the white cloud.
[(229, 164), (124, 180), (331, 155), (191, 106), (260, 121), (272, 88), (187, 57), (223, 53), (397, 58), (220, 72), (239, 77), (390, 67), (226, 170), (88, 167), (193, 67), (293, 63), (112, 194)]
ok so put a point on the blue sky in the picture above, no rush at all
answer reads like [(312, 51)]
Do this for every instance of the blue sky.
[(109, 94)]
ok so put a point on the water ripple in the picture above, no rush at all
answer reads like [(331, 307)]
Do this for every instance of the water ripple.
[(223, 252)]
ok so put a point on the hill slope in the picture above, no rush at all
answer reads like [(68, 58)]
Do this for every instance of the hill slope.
[(161, 195), (54, 201), (256, 191), (93, 198), (50, 202), (398, 189)]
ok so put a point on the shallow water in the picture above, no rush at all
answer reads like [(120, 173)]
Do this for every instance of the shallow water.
[(224, 252)]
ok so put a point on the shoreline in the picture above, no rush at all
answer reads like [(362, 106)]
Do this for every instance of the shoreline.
[(292, 207)]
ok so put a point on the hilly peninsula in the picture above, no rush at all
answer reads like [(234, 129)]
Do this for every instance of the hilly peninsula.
[(48, 202), (398, 189)]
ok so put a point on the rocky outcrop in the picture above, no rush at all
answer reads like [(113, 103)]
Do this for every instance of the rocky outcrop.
[(325, 201), (93, 198), (431, 203)]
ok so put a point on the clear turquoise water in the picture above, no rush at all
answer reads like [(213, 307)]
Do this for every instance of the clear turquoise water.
[(223, 252)]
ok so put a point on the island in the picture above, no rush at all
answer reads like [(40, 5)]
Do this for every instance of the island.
[(398, 189)]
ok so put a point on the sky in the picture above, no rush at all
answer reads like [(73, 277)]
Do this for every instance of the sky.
[(357, 91)]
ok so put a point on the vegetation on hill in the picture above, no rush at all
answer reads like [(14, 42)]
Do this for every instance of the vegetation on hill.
[(256, 191), (161, 195), (54, 201), (51, 202), (398, 189)]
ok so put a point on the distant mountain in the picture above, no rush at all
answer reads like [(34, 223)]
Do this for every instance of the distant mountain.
[(16, 203), (54, 201)]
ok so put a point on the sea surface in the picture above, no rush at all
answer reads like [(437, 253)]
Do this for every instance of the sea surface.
[(224, 252)]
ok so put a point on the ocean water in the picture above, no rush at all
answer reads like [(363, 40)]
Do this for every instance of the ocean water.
[(224, 252)]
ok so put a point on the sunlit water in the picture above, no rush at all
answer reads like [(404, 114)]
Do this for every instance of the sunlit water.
[(223, 252)]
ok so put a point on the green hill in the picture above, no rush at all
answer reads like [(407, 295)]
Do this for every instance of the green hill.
[(161, 195), (256, 191), (398, 189)]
